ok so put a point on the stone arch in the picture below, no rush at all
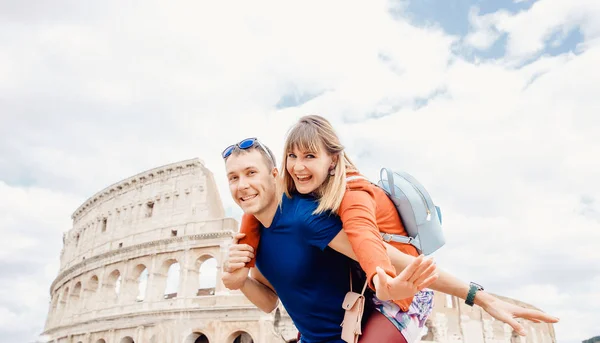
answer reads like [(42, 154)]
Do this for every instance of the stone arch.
[(75, 297), (206, 269), (141, 278), (240, 336), (112, 286), (197, 337), (53, 313), (168, 278), (126, 339), (136, 284), (89, 292), (54, 302), (63, 303), (101, 341)]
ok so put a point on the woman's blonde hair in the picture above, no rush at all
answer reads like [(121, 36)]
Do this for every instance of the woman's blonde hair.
[(306, 135)]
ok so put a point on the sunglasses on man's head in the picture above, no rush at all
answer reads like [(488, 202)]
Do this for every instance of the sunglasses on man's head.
[(245, 144)]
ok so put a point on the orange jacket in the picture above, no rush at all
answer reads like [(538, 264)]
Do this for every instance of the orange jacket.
[(365, 211)]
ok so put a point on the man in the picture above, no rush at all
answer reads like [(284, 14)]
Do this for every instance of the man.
[(252, 179)]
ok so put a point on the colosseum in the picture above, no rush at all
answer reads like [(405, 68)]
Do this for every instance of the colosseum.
[(142, 263)]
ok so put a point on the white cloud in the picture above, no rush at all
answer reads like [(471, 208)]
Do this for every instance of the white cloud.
[(529, 31), (94, 96)]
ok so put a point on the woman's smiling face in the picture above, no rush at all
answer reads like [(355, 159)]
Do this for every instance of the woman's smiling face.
[(308, 169)]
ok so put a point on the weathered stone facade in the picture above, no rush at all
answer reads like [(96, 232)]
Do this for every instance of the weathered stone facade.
[(132, 268), (144, 225), (453, 321)]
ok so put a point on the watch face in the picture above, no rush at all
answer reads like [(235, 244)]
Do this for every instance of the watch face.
[(479, 287)]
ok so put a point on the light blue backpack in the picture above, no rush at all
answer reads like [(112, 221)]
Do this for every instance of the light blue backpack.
[(421, 218)]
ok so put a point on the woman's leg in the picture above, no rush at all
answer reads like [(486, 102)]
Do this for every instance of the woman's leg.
[(379, 329)]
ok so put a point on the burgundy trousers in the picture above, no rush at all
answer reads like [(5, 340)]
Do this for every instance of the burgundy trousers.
[(379, 329)]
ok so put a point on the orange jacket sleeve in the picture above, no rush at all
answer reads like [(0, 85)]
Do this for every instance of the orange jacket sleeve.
[(357, 212), (251, 227)]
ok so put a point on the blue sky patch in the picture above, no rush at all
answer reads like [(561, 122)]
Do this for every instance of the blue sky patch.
[(453, 15), (296, 98)]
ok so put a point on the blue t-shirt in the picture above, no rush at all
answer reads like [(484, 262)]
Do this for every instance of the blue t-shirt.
[(310, 279)]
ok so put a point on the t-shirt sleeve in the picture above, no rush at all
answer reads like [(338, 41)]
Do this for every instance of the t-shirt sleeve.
[(320, 229), (358, 214), (251, 227)]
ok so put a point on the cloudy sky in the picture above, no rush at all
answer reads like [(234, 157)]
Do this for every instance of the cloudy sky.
[(489, 103)]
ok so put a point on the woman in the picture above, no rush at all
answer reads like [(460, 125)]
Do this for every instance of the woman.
[(315, 163)]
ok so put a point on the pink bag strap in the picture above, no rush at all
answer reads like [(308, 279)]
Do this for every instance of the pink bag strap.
[(364, 287)]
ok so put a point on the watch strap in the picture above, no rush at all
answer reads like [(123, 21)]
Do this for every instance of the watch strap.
[(470, 300)]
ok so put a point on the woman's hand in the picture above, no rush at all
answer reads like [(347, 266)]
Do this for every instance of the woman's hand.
[(507, 312), (419, 274)]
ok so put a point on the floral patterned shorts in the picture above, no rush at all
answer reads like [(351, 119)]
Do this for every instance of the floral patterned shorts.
[(410, 323)]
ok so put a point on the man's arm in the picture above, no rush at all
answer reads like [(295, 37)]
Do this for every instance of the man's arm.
[(259, 291)]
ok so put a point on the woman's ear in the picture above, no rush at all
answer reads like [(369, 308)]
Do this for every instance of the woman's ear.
[(334, 161)]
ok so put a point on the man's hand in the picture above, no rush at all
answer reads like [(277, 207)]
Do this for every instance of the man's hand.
[(507, 312), (236, 279), (239, 255), (419, 274)]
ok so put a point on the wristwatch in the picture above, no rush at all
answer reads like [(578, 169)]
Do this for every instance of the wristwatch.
[(473, 288)]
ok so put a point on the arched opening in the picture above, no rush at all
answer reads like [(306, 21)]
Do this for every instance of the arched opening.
[(207, 275), (197, 337), (172, 283), (55, 297), (62, 307), (136, 283), (89, 292), (142, 285), (75, 296), (241, 337), (127, 340), (100, 341), (53, 313), (113, 286)]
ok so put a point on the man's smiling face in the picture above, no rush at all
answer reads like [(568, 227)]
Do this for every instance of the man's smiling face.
[(251, 183)]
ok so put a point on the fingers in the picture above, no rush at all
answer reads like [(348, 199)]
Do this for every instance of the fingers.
[(382, 286), (237, 237), (382, 277), (241, 253), (428, 282), (535, 315), (513, 323), (230, 267), (411, 268), (427, 263), (431, 270), (240, 247)]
